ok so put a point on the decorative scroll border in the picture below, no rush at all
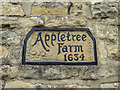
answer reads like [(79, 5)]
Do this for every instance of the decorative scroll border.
[(58, 63)]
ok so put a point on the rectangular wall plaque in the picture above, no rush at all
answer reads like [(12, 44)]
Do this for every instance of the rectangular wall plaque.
[(59, 46)]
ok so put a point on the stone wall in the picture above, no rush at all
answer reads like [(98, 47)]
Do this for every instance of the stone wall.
[(18, 18)]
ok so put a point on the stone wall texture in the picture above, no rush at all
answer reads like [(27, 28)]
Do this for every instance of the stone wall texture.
[(18, 18)]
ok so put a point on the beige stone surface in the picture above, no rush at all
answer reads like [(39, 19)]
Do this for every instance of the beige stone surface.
[(54, 23), (9, 21), (26, 22), (18, 84), (56, 53), (79, 3), (37, 11), (13, 72), (1, 84), (109, 85), (3, 51), (67, 21), (76, 86), (0, 8), (11, 10), (26, 6), (101, 51), (113, 52), (9, 72), (79, 21)]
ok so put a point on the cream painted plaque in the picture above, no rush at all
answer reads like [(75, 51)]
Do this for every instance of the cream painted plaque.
[(59, 46)]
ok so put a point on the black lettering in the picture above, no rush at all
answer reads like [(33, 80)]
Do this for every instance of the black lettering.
[(82, 56), (58, 36), (73, 37), (63, 37), (53, 38), (78, 48), (59, 46), (70, 57), (84, 37), (78, 37), (64, 49), (76, 57), (47, 38), (39, 38), (68, 37), (70, 47)]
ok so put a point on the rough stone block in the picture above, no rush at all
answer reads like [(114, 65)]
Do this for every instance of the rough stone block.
[(77, 86), (109, 85), (8, 37), (14, 55), (18, 84), (104, 11), (37, 11), (3, 52), (9, 72), (54, 74), (113, 52), (11, 10), (52, 4), (1, 84), (29, 73), (26, 6), (68, 21)]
